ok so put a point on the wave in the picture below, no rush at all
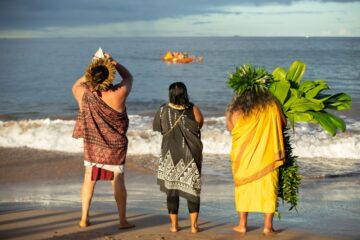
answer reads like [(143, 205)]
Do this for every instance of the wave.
[(330, 176), (308, 141)]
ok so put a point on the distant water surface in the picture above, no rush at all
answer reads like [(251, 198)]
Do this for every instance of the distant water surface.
[(37, 74)]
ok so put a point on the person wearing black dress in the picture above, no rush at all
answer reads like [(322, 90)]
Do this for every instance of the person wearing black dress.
[(179, 172)]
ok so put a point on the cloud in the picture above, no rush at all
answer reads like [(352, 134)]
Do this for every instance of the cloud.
[(201, 22), (291, 12), (344, 32), (40, 14)]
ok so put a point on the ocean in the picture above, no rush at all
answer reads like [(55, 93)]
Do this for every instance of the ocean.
[(37, 110)]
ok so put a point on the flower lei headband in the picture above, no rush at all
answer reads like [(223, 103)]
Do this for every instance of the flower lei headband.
[(90, 81)]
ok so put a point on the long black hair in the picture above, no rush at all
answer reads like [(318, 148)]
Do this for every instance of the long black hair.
[(178, 94), (249, 100)]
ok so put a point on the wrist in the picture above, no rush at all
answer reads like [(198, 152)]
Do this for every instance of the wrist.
[(113, 61)]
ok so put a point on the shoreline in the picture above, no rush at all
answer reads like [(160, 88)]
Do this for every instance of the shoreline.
[(45, 183)]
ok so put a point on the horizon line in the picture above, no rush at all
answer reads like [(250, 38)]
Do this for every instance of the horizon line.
[(225, 36)]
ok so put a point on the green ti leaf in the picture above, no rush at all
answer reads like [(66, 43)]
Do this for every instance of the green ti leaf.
[(329, 122), (280, 90), (339, 101), (320, 85), (279, 74), (295, 72), (303, 105)]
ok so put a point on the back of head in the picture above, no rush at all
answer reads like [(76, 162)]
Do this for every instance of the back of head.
[(250, 86), (100, 73), (178, 94), (249, 101)]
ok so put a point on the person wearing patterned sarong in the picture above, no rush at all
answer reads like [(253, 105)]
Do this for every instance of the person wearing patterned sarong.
[(255, 121), (102, 123), (179, 172)]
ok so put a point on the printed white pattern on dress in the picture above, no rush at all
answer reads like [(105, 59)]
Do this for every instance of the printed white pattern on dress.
[(181, 177)]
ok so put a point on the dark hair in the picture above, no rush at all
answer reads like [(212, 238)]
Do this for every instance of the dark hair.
[(178, 94), (100, 73), (250, 100)]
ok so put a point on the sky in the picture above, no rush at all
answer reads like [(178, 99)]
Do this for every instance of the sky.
[(142, 18)]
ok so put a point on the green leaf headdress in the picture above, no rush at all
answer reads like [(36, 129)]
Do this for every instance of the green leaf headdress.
[(248, 78), (90, 81)]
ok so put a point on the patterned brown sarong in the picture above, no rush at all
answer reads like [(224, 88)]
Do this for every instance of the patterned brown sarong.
[(103, 130)]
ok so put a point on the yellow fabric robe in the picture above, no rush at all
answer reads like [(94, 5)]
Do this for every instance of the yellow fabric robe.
[(257, 152)]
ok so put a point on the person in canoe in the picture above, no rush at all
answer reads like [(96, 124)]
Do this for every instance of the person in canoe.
[(178, 58)]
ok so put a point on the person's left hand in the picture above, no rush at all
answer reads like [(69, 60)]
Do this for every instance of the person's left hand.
[(108, 56)]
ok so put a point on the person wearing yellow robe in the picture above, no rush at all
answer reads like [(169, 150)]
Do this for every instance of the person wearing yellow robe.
[(255, 121)]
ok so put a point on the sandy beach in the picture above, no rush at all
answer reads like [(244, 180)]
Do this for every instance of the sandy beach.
[(62, 224), (29, 210)]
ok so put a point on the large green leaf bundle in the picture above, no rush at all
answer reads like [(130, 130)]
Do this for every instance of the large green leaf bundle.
[(303, 101)]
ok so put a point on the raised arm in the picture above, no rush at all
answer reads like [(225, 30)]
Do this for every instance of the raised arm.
[(78, 89), (124, 87), (198, 116)]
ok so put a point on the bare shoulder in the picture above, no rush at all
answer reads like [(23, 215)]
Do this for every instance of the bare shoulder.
[(231, 119), (196, 109), (119, 90), (235, 116), (229, 124), (78, 91), (122, 89), (198, 115)]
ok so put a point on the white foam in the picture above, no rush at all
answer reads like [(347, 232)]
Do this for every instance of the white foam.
[(40, 134), (308, 142), (312, 142)]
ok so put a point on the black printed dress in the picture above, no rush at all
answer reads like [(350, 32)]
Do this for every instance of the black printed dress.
[(179, 172)]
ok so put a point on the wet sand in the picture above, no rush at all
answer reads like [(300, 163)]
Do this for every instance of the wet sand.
[(62, 224), (22, 168), (24, 164)]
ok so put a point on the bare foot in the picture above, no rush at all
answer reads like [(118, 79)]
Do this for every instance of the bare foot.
[(240, 229), (84, 223), (195, 229), (269, 232), (174, 229), (125, 225)]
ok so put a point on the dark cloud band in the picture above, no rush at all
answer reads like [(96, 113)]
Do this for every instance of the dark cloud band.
[(39, 14)]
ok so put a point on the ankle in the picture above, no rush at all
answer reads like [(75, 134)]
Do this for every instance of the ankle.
[(123, 221), (240, 229), (242, 226), (174, 228), (84, 223), (194, 229)]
